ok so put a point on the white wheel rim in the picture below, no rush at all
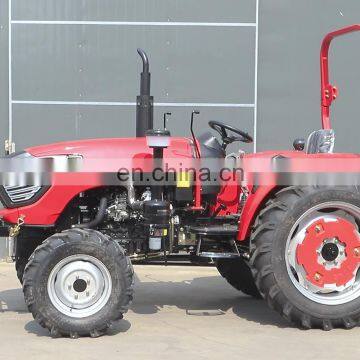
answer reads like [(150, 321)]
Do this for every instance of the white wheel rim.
[(79, 286), (327, 296)]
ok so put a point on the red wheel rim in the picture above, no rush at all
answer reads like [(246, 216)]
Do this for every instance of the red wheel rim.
[(323, 253)]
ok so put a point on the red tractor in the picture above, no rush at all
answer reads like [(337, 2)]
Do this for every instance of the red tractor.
[(281, 225)]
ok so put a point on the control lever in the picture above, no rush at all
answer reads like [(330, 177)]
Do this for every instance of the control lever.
[(166, 114), (195, 112)]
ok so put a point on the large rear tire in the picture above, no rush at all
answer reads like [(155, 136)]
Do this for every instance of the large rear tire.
[(306, 248), (77, 283), (238, 274)]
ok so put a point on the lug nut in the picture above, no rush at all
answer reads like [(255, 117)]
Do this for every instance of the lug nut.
[(317, 277), (357, 252), (318, 228)]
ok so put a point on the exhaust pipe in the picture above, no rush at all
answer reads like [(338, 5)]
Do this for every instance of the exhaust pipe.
[(144, 102)]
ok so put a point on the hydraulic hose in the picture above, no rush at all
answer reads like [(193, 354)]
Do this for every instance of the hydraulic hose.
[(98, 218)]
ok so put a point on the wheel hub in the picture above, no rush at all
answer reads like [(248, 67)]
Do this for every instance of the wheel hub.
[(79, 286), (330, 253)]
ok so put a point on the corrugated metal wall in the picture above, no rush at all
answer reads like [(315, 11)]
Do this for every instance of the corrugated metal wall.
[(290, 34), (75, 68), (76, 75)]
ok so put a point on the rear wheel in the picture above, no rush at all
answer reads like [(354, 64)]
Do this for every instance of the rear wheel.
[(78, 282), (238, 274), (307, 254)]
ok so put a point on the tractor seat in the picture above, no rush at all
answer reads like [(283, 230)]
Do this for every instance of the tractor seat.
[(320, 142), (210, 147)]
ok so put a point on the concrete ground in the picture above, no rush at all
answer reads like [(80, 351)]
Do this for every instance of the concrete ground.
[(178, 313)]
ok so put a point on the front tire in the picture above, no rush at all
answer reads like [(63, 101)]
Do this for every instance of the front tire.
[(306, 248), (25, 246), (20, 265), (77, 283)]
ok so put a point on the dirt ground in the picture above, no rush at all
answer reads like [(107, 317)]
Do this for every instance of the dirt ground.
[(178, 313)]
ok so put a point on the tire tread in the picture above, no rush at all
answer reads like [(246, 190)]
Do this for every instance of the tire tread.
[(261, 243), (69, 236)]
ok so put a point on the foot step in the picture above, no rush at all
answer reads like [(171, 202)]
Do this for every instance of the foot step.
[(218, 255), (215, 230)]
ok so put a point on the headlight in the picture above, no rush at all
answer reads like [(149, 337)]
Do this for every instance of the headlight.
[(21, 180), (25, 178)]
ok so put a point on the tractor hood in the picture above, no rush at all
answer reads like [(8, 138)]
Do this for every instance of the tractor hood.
[(111, 148)]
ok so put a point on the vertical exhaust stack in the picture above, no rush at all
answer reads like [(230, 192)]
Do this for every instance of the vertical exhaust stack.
[(144, 102)]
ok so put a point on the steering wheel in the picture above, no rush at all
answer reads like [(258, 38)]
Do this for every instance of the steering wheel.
[(228, 139)]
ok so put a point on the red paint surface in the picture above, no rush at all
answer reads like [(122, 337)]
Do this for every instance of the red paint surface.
[(307, 256)]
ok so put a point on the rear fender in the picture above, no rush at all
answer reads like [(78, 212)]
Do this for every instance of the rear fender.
[(254, 203)]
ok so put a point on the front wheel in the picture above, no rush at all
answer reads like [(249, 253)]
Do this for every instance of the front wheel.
[(78, 282), (306, 256)]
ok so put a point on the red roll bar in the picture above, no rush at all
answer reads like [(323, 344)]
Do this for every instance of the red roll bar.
[(328, 91)]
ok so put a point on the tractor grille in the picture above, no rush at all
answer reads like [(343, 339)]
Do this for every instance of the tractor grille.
[(19, 194)]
